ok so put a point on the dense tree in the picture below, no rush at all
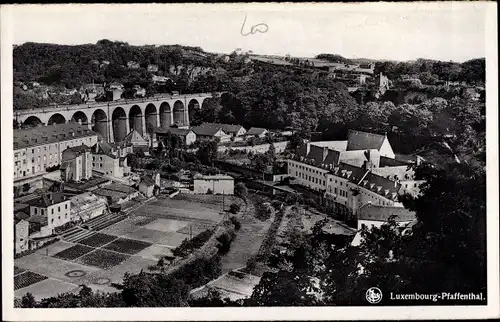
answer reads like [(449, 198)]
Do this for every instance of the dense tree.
[(207, 152)]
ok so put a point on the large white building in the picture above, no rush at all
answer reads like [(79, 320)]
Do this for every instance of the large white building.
[(353, 173), (39, 148), (50, 210)]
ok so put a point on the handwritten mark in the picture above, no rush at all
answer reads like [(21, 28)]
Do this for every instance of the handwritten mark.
[(261, 27)]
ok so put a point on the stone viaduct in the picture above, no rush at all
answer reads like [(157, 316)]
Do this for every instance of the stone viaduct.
[(114, 120)]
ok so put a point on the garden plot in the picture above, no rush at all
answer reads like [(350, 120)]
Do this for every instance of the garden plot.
[(155, 252), (102, 259), (147, 235), (47, 288), (52, 267), (26, 279), (54, 248), (173, 240), (97, 240), (196, 228), (103, 278), (166, 225), (127, 246), (73, 252)]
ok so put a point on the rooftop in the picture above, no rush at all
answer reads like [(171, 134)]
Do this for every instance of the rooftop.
[(47, 199), (379, 213), (255, 131), (25, 138), (174, 131), (357, 140), (207, 129), (213, 177)]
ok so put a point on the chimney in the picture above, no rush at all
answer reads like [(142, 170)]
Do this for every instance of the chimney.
[(308, 148)]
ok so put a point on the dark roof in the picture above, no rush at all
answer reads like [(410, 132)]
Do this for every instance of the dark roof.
[(379, 213), (20, 207), (104, 148), (318, 156), (207, 129), (43, 220), (148, 181), (389, 162), (255, 131), (48, 199), (357, 140), (24, 138), (80, 149), (174, 131), (20, 215)]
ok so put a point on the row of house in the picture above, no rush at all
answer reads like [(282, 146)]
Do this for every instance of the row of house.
[(356, 174), (224, 133)]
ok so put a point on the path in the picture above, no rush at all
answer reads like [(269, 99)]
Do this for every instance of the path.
[(247, 242)]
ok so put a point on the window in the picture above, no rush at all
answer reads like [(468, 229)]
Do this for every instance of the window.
[(66, 206), (52, 221), (59, 218), (93, 164), (100, 158), (36, 210), (41, 211), (59, 209), (33, 151), (52, 211)]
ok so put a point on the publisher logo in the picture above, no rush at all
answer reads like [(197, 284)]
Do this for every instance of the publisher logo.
[(373, 295)]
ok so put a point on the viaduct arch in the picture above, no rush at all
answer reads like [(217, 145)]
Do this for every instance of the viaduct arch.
[(114, 120)]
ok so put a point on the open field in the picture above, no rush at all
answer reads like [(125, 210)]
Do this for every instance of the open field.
[(101, 258)]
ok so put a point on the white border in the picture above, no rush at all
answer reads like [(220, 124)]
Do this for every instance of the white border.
[(267, 313)]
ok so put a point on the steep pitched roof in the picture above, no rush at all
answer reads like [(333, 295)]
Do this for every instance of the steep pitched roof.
[(357, 140), (379, 213), (20, 215), (47, 199), (147, 181), (134, 137), (207, 129), (255, 131)]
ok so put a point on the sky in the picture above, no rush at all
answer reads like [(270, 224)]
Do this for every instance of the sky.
[(394, 31)]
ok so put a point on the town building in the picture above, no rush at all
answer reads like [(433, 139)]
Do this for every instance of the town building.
[(216, 184), (133, 64), (208, 131), (86, 206), (353, 173), (110, 159), (76, 164), (21, 232), (375, 216), (152, 68), (188, 136), (256, 132), (39, 148), (133, 139), (50, 210), (162, 80), (232, 130), (147, 186)]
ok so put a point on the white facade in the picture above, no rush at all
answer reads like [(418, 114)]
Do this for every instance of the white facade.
[(86, 206), (218, 184), (33, 160)]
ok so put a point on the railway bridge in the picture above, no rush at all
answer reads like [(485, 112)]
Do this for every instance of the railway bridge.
[(114, 120)]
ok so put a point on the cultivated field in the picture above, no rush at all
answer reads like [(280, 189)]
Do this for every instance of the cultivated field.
[(101, 256)]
